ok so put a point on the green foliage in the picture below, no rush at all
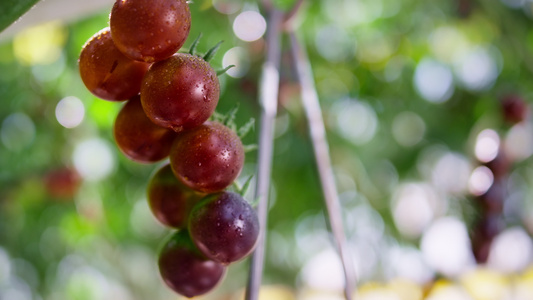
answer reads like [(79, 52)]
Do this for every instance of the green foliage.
[(364, 55), (12, 10)]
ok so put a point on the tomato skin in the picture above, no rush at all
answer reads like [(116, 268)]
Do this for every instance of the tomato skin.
[(137, 137), (169, 200), (180, 92), (150, 30), (514, 109), (62, 183), (207, 158), (106, 72), (224, 227), (185, 270)]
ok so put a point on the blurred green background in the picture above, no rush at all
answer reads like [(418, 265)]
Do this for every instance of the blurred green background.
[(411, 93)]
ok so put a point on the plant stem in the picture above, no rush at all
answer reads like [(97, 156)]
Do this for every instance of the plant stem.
[(320, 147), (268, 98)]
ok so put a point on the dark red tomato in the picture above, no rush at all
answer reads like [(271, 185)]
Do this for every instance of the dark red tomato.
[(106, 72), (481, 249), (180, 92), (62, 183), (150, 30), (514, 108), (492, 201), (207, 158), (500, 165), (138, 138), (185, 270), (224, 227), (169, 200), (483, 233)]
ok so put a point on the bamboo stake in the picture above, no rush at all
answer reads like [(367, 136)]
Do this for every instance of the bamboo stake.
[(268, 98), (322, 157)]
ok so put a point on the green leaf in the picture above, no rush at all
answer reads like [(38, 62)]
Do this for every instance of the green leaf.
[(246, 128), (229, 118), (211, 52), (246, 185), (223, 71), (284, 5), (194, 44), (11, 10), (250, 148)]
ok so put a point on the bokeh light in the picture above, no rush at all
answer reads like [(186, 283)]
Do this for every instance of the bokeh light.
[(70, 112), (518, 142), (524, 285), (139, 267), (406, 289), (41, 44), (375, 291), (16, 289), (90, 283), (365, 256), (487, 145), (227, 7), (414, 206), (50, 72), (94, 159), (446, 247), (17, 132), (310, 236), (364, 222), (335, 44), (374, 47), (394, 68), (365, 230), (356, 121), (272, 291), (249, 26), (448, 291), (309, 294), (477, 69), (514, 3), (448, 42), (352, 13), (408, 128), (480, 181), (451, 173), (315, 270), (408, 263), (238, 57), (484, 284), (511, 251), (143, 222), (433, 81), (5, 266)]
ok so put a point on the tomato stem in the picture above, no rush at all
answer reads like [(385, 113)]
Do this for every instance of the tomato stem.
[(246, 128), (192, 50), (223, 71), (211, 52)]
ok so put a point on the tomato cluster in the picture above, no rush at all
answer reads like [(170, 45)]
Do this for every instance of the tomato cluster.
[(170, 99), (489, 221)]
